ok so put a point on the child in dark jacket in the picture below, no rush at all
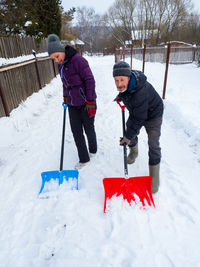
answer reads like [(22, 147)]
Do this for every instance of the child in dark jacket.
[(145, 108), (79, 95)]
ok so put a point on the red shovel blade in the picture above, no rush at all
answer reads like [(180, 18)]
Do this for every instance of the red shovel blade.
[(141, 186)]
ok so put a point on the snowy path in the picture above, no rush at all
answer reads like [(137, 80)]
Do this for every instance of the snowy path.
[(70, 228)]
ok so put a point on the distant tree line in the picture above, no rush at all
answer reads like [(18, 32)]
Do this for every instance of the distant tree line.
[(149, 21)]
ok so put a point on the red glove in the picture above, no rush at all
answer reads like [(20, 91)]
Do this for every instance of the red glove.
[(91, 107)]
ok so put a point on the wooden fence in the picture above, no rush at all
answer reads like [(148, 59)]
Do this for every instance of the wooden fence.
[(15, 46), (18, 81)]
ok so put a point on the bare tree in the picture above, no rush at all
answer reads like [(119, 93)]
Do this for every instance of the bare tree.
[(147, 11), (89, 26), (67, 31), (191, 30), (122, 20), (150, 20)]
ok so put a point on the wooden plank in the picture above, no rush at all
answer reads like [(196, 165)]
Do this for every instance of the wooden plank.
[(21, 81), (17, 65)]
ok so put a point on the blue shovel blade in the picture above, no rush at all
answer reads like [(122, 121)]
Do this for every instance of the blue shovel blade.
[(71, 176), (68, 175)]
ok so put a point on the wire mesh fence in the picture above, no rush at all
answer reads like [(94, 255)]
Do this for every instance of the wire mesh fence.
[(178, 55)]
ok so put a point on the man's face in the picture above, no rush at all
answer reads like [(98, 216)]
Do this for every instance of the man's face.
[(121, 83), (58, 57)]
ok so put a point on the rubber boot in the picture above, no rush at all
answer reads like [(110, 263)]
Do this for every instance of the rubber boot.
[(132, 154), (154, 173)]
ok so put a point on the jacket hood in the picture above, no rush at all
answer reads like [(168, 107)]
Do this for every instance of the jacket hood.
[(140, 78), (137, 81), (69, 52), (132, 83)]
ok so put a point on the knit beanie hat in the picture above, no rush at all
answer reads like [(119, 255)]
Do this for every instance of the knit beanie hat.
[(54, 44), (121, 68)]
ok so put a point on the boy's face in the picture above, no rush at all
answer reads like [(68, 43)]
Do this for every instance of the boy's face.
[(58, 57), (121, 83)]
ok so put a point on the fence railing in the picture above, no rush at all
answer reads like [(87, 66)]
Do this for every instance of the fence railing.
[(18, 81), (167, 55), (178, 55), (21, 80)]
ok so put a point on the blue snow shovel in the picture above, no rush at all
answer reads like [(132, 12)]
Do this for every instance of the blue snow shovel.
[(70, 176)]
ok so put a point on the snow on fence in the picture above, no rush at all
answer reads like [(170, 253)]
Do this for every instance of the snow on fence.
[(21, 80), (18, 81)]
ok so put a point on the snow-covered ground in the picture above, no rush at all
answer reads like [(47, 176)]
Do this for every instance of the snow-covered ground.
[(69, 228)]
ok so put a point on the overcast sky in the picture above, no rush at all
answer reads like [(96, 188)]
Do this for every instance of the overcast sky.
[(101, 6), (196, 4)]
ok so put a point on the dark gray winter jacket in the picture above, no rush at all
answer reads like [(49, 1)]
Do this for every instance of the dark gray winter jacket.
[(142, 102)]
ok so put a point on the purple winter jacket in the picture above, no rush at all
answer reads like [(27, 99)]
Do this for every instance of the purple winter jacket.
[(78, 80)]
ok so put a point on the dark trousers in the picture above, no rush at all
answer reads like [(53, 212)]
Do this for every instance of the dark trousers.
[(80, 122), (153, 129)]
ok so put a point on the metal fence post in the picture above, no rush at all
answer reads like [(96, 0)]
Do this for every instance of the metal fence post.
[(166, 70), (131, 55), (124, 53), (3, 98), (144, 51)]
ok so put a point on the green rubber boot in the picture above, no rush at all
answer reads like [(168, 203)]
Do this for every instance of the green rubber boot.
[(154, 173), (132, 154)]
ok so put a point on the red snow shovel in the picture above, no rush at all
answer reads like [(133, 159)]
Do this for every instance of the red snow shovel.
[(128, 187)]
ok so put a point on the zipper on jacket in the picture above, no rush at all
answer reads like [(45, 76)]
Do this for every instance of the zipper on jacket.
[(71, 98), (82, 94)]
